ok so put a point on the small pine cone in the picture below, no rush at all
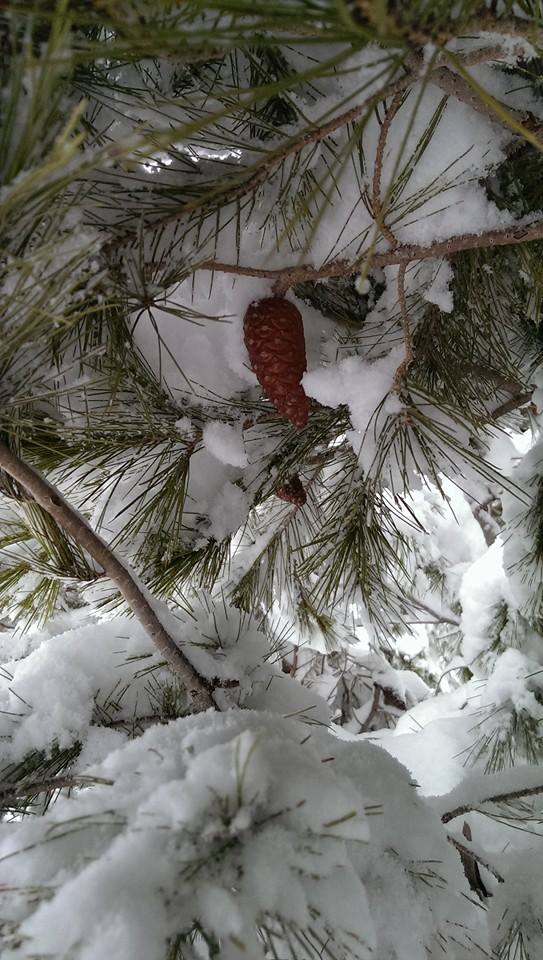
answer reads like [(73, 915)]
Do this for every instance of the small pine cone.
[(292, 491), (274, 337)]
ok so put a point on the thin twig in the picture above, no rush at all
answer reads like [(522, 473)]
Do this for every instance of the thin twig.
[(48, 497), (496, 798), (377, 205), (439, 617)]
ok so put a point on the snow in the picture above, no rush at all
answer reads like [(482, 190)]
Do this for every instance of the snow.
[(198, 803), (227, 511), (517, 905), (94, 664), (362, 386), (439, 291), (225, 442), (477, 788), (201, 358), (484, 588)]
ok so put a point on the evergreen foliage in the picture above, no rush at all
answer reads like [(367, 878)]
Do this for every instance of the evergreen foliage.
[(163, 165)]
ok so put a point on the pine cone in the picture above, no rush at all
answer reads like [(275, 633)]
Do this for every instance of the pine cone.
[(274, 337), (292, 491)]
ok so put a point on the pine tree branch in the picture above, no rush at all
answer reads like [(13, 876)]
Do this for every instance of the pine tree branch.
[(230, 192), (509, 236), (495, 376), (507, 26), (495, 798), (48, 497), (374, 710), (56, 783), (487, 22), (487, 54)]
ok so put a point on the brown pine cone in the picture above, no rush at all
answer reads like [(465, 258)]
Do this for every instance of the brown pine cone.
[(274, 337), (292, 491)]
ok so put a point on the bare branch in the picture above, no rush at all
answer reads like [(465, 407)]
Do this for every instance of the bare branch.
[(455, 86), (133, 592)]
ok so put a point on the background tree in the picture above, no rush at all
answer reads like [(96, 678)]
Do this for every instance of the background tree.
[(220, 579)]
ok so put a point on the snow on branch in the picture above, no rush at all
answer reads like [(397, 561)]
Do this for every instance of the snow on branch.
[(479, 788)]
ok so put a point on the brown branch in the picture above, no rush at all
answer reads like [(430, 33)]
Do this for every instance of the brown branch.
[(455, 86), (507, 26), (496, 798), (377, 205), (509, 236), (48, 497), (487, 54), (512, 404), (480, 23), (506, 237)]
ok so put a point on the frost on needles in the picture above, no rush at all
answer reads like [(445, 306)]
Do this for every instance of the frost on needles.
[(271, 685)]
